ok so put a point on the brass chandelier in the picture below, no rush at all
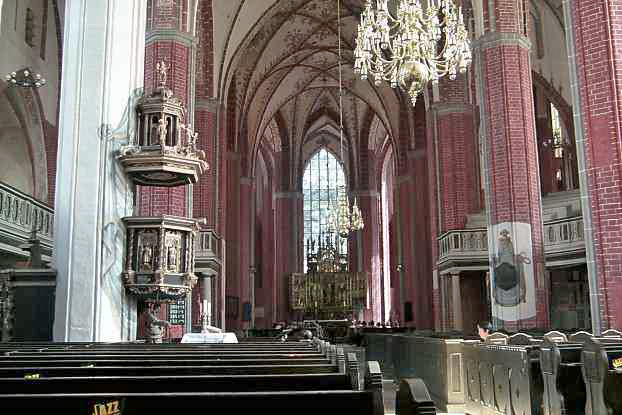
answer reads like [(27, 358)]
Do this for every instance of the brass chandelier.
[(409, 44), (344, 219)]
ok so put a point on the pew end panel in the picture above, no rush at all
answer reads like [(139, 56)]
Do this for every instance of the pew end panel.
[(413, 398)]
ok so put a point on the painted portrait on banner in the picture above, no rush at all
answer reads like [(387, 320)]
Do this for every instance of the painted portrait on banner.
[(512, 282)]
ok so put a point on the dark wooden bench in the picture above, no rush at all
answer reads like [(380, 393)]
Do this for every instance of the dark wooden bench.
[(602, 374), (81, 361), (103, 395), (564, 390), (162, 384), (328, 402), (501, 379), (68, 371)]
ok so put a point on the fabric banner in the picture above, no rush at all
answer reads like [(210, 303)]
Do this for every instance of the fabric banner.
[(512, 281)]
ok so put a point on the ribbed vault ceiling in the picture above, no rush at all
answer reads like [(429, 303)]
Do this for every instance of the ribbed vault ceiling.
[(282, 59)]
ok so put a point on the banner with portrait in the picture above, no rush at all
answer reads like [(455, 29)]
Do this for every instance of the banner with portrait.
[(512, 281)]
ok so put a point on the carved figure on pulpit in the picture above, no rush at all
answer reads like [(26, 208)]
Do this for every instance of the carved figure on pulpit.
[(147, 258), (172, 257), (156, 326), (162, 131)]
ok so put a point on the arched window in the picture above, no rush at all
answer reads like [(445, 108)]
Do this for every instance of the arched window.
[(321, 180)]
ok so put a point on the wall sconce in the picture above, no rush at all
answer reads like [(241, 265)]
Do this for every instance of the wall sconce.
[(26, 79), (400, 267)]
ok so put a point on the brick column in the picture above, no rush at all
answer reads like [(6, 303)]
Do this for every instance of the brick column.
[(168, 39), (453, 151), (287, 206), (369, 203), (456, 154), (595, 46), (512, 182)]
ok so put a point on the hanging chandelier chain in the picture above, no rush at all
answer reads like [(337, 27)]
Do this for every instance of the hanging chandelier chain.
[(340, 81), (344, 219)]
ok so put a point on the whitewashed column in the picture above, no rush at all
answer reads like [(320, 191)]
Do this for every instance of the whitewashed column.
[(103, 46)]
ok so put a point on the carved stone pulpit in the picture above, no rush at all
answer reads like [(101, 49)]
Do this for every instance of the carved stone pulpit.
[(164, 151), (159, 264)]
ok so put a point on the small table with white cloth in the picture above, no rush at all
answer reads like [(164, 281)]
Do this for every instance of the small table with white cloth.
[(209, 338)]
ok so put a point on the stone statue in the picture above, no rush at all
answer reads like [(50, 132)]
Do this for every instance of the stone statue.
[(172, 257), (155, 325), (162, 131), (162, 70), (147, 255)]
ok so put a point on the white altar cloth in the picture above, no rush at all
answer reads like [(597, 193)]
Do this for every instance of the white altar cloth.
[(209, 338)]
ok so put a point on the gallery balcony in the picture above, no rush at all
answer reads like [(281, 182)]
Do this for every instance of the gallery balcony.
[(20, 215), (564, 241)]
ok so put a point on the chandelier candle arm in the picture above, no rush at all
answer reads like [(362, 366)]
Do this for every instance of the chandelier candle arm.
[(404, 49)]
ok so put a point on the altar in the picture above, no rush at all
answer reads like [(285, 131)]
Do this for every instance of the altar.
[(328, 295), (328, 291), (209, 338)]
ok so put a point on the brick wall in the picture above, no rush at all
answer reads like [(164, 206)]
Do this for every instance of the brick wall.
[(598, 44)]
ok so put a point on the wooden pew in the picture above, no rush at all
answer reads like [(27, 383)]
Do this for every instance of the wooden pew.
[(173, 384), (564, 390), (328, 402), (317, 392), (81, 361), (602, 374), (68, 371), (501, 379)]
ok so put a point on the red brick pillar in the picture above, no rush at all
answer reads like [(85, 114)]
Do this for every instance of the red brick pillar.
[(168, 39), (518, 289), (287, 206), (593, 33), (454, 151), (369, 203)]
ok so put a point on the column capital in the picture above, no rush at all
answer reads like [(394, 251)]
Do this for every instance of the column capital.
[(158, 35), (494, 39)]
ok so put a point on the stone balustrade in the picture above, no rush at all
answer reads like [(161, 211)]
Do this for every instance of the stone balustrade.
[(467, 242), (208, 246), (20, 214), (562, 237)]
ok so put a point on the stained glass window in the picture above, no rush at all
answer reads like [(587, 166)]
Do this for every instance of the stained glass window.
[(321, 180)]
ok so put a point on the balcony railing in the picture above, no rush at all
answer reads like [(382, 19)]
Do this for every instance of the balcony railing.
[(463, 244), (208, 246), (564, 236), (561, 237), (20, 214)]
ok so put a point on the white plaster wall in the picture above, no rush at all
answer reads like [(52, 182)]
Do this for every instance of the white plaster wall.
[(554, 64), (15, 162), (104, 46), (17, 54)]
